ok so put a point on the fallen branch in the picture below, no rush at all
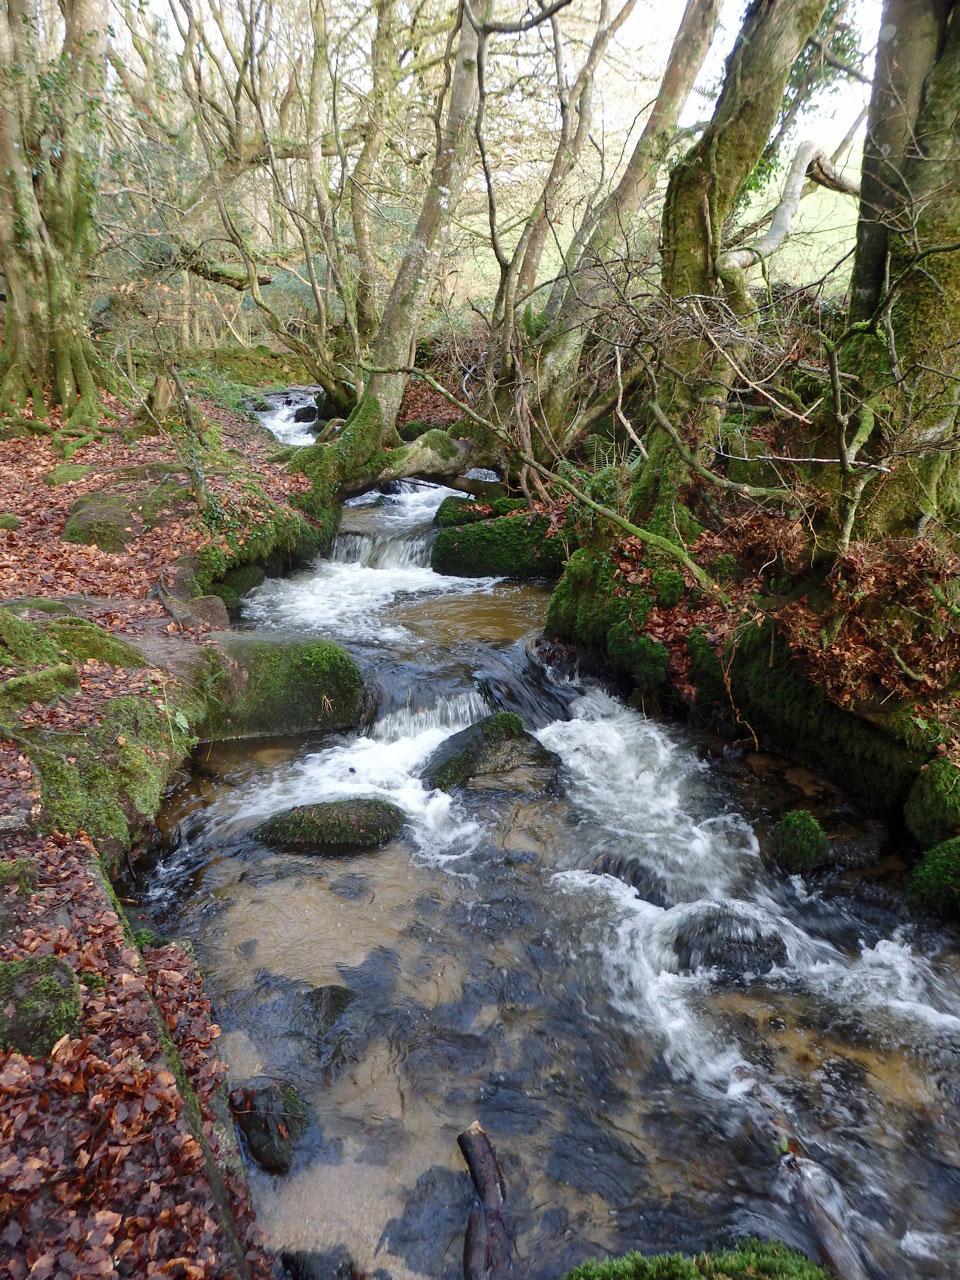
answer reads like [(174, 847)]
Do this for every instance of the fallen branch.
[(486, 1247)]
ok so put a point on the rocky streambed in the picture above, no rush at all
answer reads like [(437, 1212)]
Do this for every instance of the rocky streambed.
[(580, 941)]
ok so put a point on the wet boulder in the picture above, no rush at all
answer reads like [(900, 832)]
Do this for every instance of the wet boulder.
[(496, 752), (717, 936), (648, 884), (508, 546), (335, 828), (271, 1118), (306, 413)]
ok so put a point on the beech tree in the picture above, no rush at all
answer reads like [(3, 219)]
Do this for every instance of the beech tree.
[(52, 68)]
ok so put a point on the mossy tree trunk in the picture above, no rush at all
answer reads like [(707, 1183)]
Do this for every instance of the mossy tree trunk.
[(359, 455), (700, 197), (905, 412), (49, 114)]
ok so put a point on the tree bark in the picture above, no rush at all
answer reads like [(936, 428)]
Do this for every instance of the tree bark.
[(47, 195)]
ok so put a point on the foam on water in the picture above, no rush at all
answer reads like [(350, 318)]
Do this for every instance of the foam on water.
[(280, 421)]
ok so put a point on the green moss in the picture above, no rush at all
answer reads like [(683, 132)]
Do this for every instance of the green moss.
[(8, 520), (506, 546), (36, 686), (82, 640), (750, 1260), (24, 644), (19, 871), (336, 827), (287, 688), (285, 536), (67, 472), (295, 1110), (456, 511), (239, 582), (935, 880), (706, 671), (668, 586), (39, 1003), (605, 617), (790, 714), (932, 810), (439, 442), (799, 842), (93, 981)]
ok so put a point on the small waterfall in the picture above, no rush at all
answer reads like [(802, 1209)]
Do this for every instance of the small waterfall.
[(382, 551), (451, 713)]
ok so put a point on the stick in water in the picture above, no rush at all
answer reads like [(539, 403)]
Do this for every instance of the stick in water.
[(486, 1248)]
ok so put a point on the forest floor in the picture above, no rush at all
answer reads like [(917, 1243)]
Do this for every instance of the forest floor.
[(101, 1171)]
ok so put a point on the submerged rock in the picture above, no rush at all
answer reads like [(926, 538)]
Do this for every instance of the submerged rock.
[(271, 1118), (489, 750), (718, 937), (335, 828), (330, 1264), (317, 1011)]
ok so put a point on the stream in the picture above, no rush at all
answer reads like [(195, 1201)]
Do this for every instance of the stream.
[(623, 1038)]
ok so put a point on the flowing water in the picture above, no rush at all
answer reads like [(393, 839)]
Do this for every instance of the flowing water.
[(640, 1013)]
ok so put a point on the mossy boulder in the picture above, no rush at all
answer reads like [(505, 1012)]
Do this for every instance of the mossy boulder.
[(104, 520), (511, 546), (274, 686), (336, 828), (486, 751), (932, 810), (80, 640), (239, 582), (67, 473), (749, 1260), (460, 511), (935, 880), (39, 1003), (799, 843), (271, 1117)]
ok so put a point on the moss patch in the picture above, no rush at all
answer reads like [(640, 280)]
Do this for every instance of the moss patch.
[(799, 843), (932, 810), (67, 472), (19, 871), (276, 687), (750, 1260), (104, 520), (8, 520), (336, 828), (935, 880), (39, 1003), (511, 546)]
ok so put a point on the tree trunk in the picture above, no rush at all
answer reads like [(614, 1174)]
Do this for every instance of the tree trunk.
[(609, 239), (46, 211), (910, 382), (357, 454)]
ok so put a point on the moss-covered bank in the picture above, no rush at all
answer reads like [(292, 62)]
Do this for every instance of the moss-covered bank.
[(749, 1260)]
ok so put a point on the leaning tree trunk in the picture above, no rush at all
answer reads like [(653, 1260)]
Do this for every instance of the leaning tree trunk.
[(47, 191), (357, 457), (700, 197), (609, 239)]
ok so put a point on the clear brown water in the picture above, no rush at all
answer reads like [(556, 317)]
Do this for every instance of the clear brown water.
[(496, 978)]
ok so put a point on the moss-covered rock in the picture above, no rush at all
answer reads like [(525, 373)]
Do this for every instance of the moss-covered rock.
[(512, 546), (39, 1003), (935, 880), (750, 1260), (668, 586), (105, 520), (80, 640), (799, 843), (239, 582), (496, 745), (336, 827), (458, 511), (932, 810), (8, 520), (67, 473), (277, 687)]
